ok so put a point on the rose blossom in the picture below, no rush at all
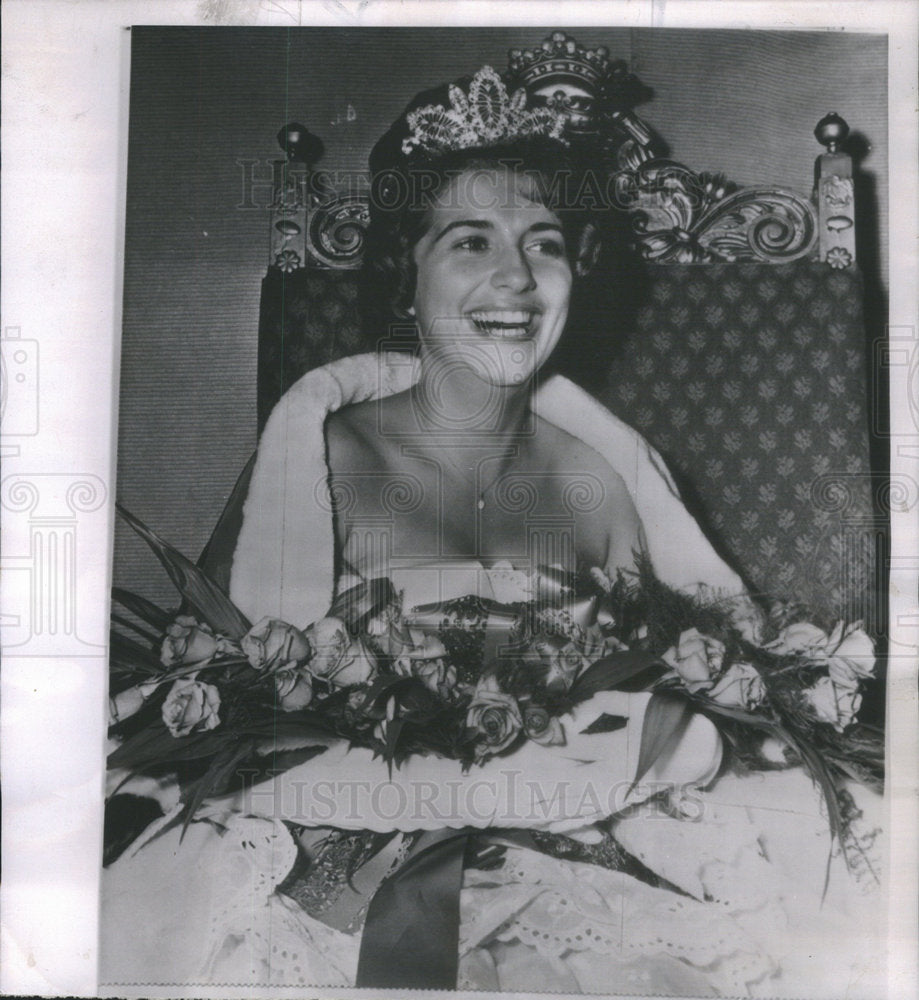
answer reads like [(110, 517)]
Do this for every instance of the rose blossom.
[(848, 653), (541, 727), (293, 688), (357, 666), (428, 663), (851, 655), (330, 641), (188, 641), (129, 702), (494, 715), (563, 660), (274, 645), (191, 706), (386, 632), (802, 637), (833, 704), (437, 675), (696, 658), (741, 686), (339, 659)]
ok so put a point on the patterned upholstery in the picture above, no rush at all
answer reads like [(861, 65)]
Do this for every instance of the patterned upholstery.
[(749, 378), (307, 318)]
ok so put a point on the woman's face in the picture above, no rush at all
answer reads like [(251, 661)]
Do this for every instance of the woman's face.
[(493, 277)]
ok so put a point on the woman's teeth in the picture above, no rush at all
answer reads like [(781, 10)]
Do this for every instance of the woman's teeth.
[(507, 324)]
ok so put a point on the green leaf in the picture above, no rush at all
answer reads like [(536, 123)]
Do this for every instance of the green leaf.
[(127, 652), (363, 601), (266, 766), (393, 732), (287, 727), (204, 596), (382, 686), (125, 622), (823, 777), (611, 671), (666, 720), (146, 610), (167, 825), (606, 723), (418, 702), (156, 745), (215, 779), (737, 714)]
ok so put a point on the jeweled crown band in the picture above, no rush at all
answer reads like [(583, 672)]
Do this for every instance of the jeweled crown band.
[(486, 115)]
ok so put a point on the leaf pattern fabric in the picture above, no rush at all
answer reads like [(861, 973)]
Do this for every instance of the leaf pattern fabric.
[(750, 379), (306, 319)]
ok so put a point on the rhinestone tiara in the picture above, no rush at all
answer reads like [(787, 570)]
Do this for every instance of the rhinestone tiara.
[(485, 115)]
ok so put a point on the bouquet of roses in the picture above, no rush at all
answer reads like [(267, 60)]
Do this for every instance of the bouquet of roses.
[(205, 694)]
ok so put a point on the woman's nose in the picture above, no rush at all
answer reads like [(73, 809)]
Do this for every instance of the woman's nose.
[(513, 271)]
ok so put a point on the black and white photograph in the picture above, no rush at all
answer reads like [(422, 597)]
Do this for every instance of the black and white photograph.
[(506, 473)]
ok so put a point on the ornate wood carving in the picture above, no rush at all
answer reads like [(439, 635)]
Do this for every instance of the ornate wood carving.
[(681, 217), (311, 226), (335, 234), (678, 216), (834, 194)]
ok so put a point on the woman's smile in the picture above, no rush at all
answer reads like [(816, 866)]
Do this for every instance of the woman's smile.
[(505, 324)]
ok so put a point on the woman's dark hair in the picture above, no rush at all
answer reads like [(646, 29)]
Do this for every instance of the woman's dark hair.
[(565, 180)]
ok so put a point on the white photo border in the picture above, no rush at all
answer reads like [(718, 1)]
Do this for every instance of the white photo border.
[(64, 134)]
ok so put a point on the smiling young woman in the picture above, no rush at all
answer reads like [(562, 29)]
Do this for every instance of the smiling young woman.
[(492, 286), (463, 468)]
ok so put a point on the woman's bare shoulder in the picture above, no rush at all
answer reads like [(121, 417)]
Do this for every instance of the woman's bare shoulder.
[(569, 455), (358, 432)]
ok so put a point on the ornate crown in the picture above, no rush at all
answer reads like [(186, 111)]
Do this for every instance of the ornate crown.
[(486, 115), (591, 90), (561, 57)]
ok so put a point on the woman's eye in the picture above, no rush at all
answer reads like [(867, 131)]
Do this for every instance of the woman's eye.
[(548, 248), (474, 243)]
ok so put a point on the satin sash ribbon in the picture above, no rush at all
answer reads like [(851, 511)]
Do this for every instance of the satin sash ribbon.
[(411, 935)]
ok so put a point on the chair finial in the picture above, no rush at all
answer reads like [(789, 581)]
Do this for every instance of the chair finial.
[(831, 130), (299, 144)]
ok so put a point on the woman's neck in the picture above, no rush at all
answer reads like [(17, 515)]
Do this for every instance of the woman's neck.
[(455, 402)]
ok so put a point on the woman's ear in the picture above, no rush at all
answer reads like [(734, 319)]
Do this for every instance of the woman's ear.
[(404, 312), (588, 250)]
